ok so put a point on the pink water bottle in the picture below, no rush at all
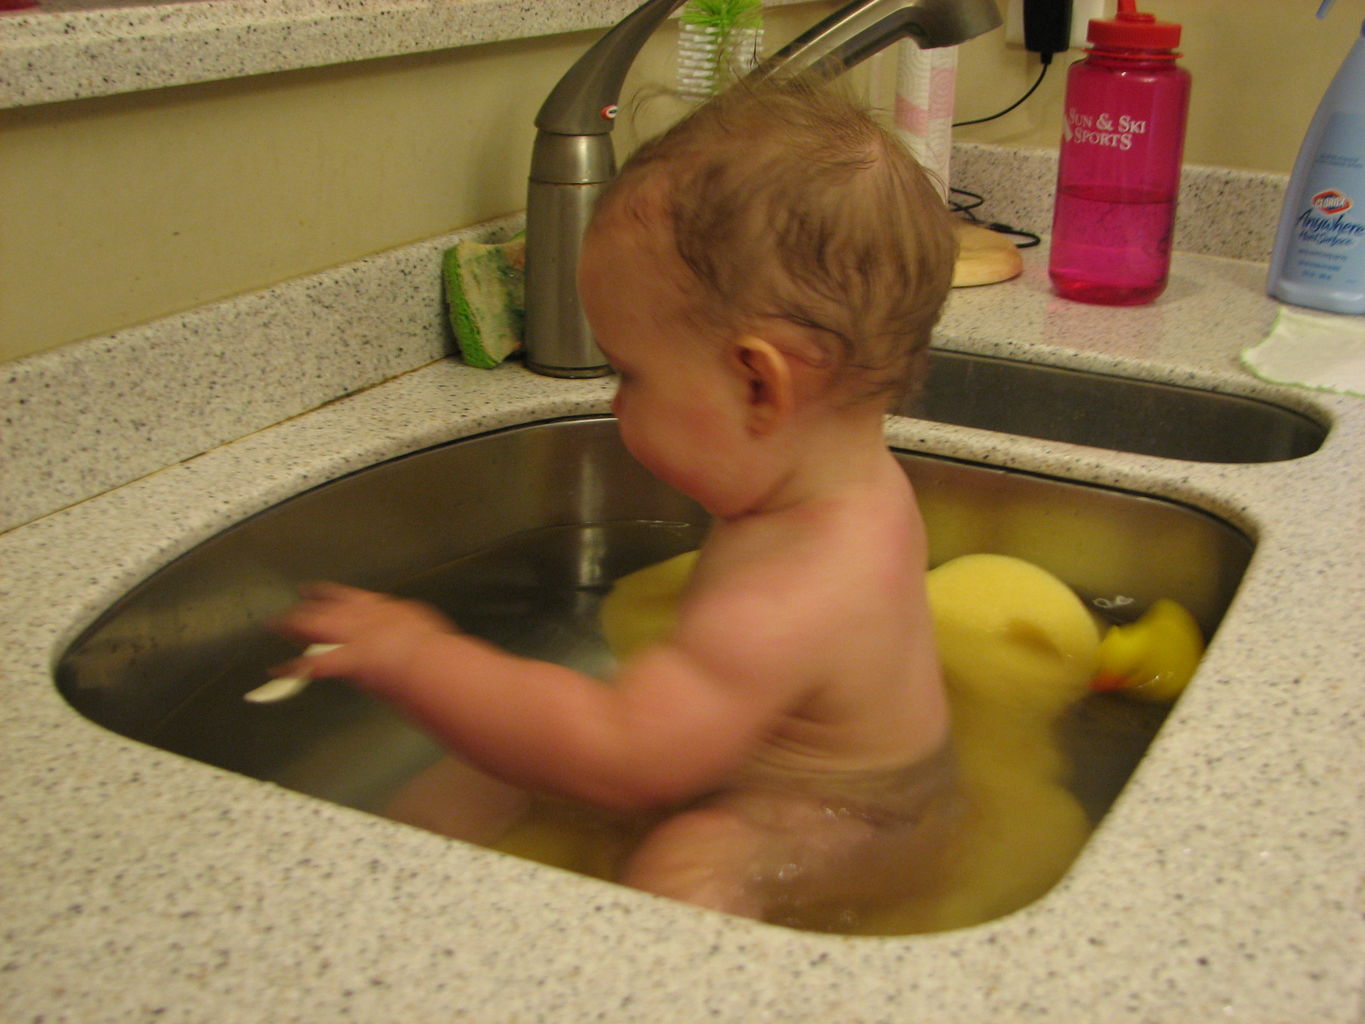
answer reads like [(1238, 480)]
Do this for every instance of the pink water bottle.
[(1118, 177)]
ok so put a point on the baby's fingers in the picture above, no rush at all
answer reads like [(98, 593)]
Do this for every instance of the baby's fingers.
[(328, 613), (325, 591)]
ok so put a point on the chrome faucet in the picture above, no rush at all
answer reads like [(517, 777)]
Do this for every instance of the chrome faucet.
[(573, 159)]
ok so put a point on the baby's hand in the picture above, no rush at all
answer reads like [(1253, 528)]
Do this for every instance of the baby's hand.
[(376, 636)]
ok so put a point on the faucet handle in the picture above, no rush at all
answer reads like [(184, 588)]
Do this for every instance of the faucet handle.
[(584, 101)]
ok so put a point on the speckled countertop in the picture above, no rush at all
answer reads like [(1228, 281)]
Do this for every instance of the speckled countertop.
[(136, 885), (74, 49)]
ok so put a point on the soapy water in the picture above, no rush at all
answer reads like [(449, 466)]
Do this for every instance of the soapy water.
[(538, 595)]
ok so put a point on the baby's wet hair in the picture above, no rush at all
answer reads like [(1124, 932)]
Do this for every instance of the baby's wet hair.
[(787, 200)]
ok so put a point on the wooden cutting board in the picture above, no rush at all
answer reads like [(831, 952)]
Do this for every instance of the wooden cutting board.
[(984, 257)]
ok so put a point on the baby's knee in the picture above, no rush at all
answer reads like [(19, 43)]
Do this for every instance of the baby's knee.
[(702, 857), (454, 799)]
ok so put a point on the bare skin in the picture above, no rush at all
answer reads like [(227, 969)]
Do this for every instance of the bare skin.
[(803, 649)]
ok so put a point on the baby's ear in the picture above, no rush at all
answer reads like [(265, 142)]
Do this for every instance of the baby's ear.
[(770, 395)]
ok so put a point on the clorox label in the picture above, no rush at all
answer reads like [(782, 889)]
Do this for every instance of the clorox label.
[(1331, 202)]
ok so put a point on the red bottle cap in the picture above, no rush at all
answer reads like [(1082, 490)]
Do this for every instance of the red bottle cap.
[(1133, 30)]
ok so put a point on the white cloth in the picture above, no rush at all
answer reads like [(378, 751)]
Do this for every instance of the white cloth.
[(1313, 350)]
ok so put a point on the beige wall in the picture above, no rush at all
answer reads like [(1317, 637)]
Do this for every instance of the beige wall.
[(1259, 69), (119, 210)]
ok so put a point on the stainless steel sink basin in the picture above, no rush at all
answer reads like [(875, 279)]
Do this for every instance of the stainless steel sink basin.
[(1103, 411), (516, 534)]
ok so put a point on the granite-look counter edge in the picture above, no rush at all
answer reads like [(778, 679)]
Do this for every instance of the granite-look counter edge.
[(76, 49), (1223, 886)]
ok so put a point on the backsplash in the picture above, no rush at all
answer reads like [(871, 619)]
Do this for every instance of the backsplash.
[(95, 414), (1222, 212)]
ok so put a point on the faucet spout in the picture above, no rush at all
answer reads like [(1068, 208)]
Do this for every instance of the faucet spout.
[(572, 159), (852, 34)]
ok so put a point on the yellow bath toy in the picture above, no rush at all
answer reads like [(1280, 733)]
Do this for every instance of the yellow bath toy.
[(1012, 633), (641, 608), (1154, 657), (1017, 648)]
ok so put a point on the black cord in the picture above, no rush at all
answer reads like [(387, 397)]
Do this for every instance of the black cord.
[(975, 199), (1030, 239), (1047, 63)]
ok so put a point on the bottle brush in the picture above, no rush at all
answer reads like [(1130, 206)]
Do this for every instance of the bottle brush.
[(719, 40)]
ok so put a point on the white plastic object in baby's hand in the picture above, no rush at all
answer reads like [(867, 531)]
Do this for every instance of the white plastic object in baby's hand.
[(284, 687)]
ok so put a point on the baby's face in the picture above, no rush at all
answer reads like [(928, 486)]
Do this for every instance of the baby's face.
[(677, 406)]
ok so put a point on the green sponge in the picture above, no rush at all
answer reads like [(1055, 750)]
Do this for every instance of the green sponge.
[(486, 294)]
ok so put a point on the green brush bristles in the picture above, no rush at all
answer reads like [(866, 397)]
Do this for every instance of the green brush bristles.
[(486, 294), (722, 15), (713, 33)]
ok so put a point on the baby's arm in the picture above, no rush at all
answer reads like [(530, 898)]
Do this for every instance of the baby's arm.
[(677, 721)]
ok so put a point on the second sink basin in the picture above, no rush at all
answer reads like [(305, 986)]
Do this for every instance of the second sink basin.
[(1120, 413)]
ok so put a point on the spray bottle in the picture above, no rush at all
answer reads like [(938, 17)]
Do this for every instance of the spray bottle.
[(1319, 254)]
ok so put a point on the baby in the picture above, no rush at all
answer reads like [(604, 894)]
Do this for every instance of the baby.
[(762, 278)]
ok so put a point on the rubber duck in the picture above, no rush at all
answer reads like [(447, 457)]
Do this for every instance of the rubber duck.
[(1012, 634), (1152, 658), (1018, 648)]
